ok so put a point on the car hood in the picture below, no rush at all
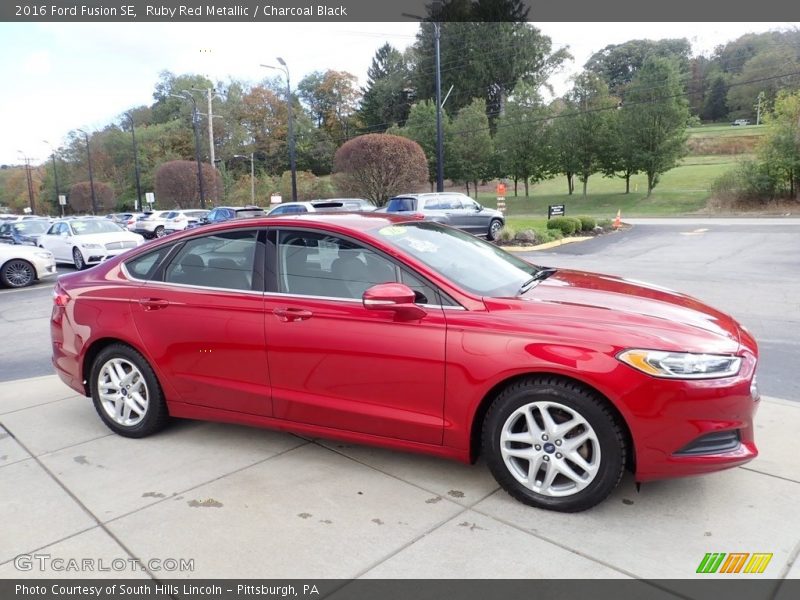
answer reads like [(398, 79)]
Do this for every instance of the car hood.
[(105, 238), (19, 251), (628, 313)]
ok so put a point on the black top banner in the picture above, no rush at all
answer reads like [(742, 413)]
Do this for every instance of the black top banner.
[(197, 11)]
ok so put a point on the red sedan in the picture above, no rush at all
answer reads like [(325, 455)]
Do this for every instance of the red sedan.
[(412, 335)]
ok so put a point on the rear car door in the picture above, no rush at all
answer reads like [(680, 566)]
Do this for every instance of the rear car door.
[(335, 363), (201, 319)]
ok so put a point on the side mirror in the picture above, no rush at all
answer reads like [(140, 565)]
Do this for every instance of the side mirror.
[(395, 297), (478, 207)]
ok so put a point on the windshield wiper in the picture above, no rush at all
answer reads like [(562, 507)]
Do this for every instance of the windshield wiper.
[(540, 275)]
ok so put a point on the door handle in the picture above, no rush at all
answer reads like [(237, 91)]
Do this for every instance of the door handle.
[(292, 314), (153, 303)]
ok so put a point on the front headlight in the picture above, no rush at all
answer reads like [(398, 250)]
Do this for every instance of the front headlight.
[(681, 365), (92, 246), (44, 255)]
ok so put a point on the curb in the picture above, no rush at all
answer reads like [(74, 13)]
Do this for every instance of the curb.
[(554, 244)]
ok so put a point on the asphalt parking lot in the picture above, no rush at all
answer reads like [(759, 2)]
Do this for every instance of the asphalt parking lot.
[(249, 503)]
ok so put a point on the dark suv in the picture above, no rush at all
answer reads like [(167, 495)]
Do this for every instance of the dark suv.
[(220, 214), (451, 208)]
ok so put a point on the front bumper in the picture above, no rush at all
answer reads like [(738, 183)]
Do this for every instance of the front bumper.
[(682, 428)]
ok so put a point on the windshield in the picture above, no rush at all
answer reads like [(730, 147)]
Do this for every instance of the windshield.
[(94, 226), (472, 264), (31, 227)]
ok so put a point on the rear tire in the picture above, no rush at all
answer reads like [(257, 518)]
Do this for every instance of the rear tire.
[(553, 444), (159, 232), (126, 392)]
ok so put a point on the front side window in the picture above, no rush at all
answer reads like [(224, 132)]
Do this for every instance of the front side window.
[(222, 260), (470, 263), (317, 264)]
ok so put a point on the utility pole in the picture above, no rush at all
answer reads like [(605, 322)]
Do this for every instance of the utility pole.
[(29, 180), (211, 126), (195, 127), (136, 164), (439, 136), (758, 109), (55, 178), (435, 12), (91, 176)]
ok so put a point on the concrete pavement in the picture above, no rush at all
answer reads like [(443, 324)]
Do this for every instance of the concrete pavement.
[(250, 503)]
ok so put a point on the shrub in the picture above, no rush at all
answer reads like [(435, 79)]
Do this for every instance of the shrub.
[(567, 225), (605, 223), (507, 234), (378, 166), (80, 197), (176, 184), (587, 223)]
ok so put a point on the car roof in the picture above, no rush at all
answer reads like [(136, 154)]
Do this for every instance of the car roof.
[(359, 221)]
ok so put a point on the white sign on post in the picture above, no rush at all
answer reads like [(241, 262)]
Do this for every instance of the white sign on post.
[(275, 199), (150, 197), (62, 199)]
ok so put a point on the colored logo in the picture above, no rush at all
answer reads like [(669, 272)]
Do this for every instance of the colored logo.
[(734, 562)]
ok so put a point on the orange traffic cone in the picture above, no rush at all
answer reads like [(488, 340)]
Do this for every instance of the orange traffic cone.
[(618, 220)]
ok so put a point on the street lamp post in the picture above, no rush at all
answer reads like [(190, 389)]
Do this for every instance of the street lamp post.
[(292, 165), (252, 175), (136, 164), (55, 177), (91, 176), (195, 124)]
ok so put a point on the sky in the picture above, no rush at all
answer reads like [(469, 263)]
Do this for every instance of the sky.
[(58, 77)]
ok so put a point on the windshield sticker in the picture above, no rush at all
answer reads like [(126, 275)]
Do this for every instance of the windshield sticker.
[(423, 245), (392, 230)]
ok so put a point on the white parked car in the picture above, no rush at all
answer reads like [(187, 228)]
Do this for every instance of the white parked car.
[(151, 223), (178, 220), (22, 265), (87, 241), (327, 205)]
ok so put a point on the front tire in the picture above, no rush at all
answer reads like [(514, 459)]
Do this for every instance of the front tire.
[(77, 259), (17, 273), (494, 229), (126, 392), (553, 444), (159, 232)]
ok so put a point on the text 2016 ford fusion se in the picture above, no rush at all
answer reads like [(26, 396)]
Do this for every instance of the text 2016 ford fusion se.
[(412, 335)]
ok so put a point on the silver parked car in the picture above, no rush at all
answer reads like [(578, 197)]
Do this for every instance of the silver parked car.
[(451, 208), (178, 220)]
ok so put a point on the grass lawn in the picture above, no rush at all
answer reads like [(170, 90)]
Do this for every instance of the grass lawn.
[(683, 190), (725, 130)]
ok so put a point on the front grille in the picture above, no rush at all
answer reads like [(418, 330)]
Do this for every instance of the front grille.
[(717, 442), (120, 245)]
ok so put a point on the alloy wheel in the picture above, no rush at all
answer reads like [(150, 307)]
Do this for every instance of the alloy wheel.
[(18, 273), (123, 392)]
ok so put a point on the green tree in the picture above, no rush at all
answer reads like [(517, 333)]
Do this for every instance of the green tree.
[(522, 142), (590, 123), (753, 80), (421, 127), (716, 104), (619, 158), (332, 97), (472, 143), (388, 95), (656, 114), (618, 64), (483, 59), (780, 149)]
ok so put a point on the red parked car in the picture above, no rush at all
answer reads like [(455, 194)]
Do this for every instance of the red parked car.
[(412, 335)]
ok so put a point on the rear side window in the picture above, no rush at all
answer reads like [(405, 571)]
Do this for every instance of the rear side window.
[(144, 266), (249, 213), (401, 205), (223, 260)]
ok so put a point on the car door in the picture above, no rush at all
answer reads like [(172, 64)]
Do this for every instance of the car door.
[(201, 318), (5, 234), (55, 240), (335, 363), (474, 218)]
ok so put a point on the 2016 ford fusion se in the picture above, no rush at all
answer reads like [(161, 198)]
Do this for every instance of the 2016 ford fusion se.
[(412, 335)]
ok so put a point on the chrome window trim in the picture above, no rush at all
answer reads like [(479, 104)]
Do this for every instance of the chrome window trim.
[(350, 300)]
